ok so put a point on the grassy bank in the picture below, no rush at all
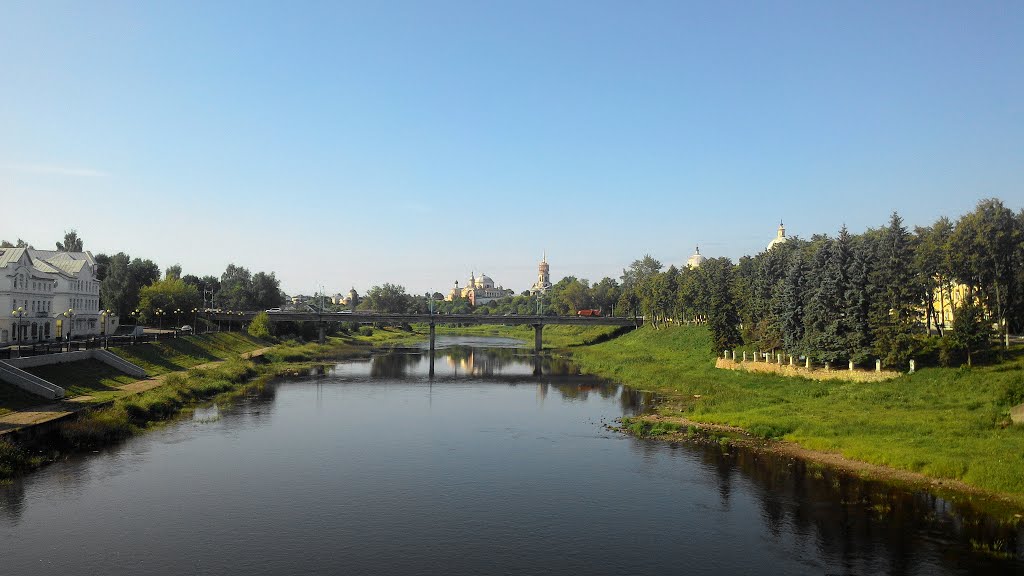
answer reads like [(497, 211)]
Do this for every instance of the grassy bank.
[(189, 384), (555, 337), (940, 422)]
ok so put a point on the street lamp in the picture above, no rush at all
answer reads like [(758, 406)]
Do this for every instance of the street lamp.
[(103, 329), (18, 313), (160, 318), (70, 315), (195, 320)]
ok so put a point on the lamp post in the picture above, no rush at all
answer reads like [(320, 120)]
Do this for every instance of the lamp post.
[(160, 318), (177, 321), (195, 320), (70, 315), (18, 313), (103, 328)]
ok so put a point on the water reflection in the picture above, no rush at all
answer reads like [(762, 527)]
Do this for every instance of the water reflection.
[(362, 458)]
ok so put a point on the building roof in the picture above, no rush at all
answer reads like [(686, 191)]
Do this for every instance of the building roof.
[(49, 261), (780, 237), (696, 259), (10, 255)]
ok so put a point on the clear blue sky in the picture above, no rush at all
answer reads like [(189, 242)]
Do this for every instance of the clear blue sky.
[(350, 144)]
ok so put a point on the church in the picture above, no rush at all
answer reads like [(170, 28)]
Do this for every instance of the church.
[(478, 290)]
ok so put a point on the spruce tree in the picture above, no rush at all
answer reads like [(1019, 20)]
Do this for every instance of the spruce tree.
[(896, 307), (857, 303), (788, 309), (723, 320)]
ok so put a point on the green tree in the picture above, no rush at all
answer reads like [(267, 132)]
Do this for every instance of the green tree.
[(266, 291), (71, 243), (123, 281), (387, 299), (723, 320), (169, 295), (788, 310), (986, 254), (173, 271), (260, 326), (933, 266), (898, 294), (235, 289), (971, 333), (857, 303), (639, 270)]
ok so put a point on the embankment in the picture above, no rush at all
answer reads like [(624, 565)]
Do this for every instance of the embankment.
[(193, 370), (940, 423)]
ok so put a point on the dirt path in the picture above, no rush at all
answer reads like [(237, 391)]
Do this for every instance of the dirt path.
[(35, 415)]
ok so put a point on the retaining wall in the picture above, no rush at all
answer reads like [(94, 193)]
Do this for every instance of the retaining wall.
[(108, 358)]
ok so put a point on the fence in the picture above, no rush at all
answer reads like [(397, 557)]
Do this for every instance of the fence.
[(87, 343)]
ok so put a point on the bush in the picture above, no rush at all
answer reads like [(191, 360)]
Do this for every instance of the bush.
[(366, 331), (260, 326)]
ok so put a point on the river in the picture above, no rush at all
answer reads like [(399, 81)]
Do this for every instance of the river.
[(373, 467)]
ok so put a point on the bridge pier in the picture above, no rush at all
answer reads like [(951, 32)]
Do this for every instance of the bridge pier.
[(433, 336), (322, 335), (538, 337)]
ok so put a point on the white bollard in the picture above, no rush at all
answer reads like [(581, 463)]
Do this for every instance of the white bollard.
[(912, 366), (878, 365), (851, 365)]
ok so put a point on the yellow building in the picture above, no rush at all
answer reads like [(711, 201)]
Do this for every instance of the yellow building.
[(478, 290)]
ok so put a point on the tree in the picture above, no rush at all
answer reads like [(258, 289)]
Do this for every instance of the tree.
[(639, 270), (932, 262), (788, 311), (71, 243), (260, 325), (173, 271), (605, 294), (170, 295), (387, 299), (971, 332), (266, 291), (235, 289), (124, 278), (898, 294), (20, 244), (857, 303), (985, 248), (825, 329), (723, 320), (102, 261)]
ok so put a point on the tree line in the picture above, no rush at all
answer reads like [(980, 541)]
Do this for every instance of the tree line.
[(881, 294), (885, 293), (134, 288)]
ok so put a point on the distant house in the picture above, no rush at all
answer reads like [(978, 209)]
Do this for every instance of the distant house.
[(46, 295)]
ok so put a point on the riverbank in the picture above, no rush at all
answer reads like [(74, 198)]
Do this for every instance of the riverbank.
[(937, 425), (105, 409)]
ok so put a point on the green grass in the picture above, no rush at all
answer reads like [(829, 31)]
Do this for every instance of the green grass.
[(86, 377), (942, 422), (556, 337), (181, 353), (131, 414)]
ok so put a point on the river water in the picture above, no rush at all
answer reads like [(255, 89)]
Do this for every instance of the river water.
[(373, 467)]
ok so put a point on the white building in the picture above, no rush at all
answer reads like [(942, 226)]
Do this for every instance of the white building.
[(695, 260), (46, 295)]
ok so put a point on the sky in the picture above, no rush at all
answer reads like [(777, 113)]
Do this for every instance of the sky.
[(349, 144)]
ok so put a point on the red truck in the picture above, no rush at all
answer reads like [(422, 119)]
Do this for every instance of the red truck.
[(589, 312)]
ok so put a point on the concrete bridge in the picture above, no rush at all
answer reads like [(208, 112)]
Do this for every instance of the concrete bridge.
[(323, 318)]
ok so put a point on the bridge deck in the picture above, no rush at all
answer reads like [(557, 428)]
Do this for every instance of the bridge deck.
[(366, 318)]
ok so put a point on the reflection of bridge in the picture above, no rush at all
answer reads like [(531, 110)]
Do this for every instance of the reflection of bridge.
[(538, 322)]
